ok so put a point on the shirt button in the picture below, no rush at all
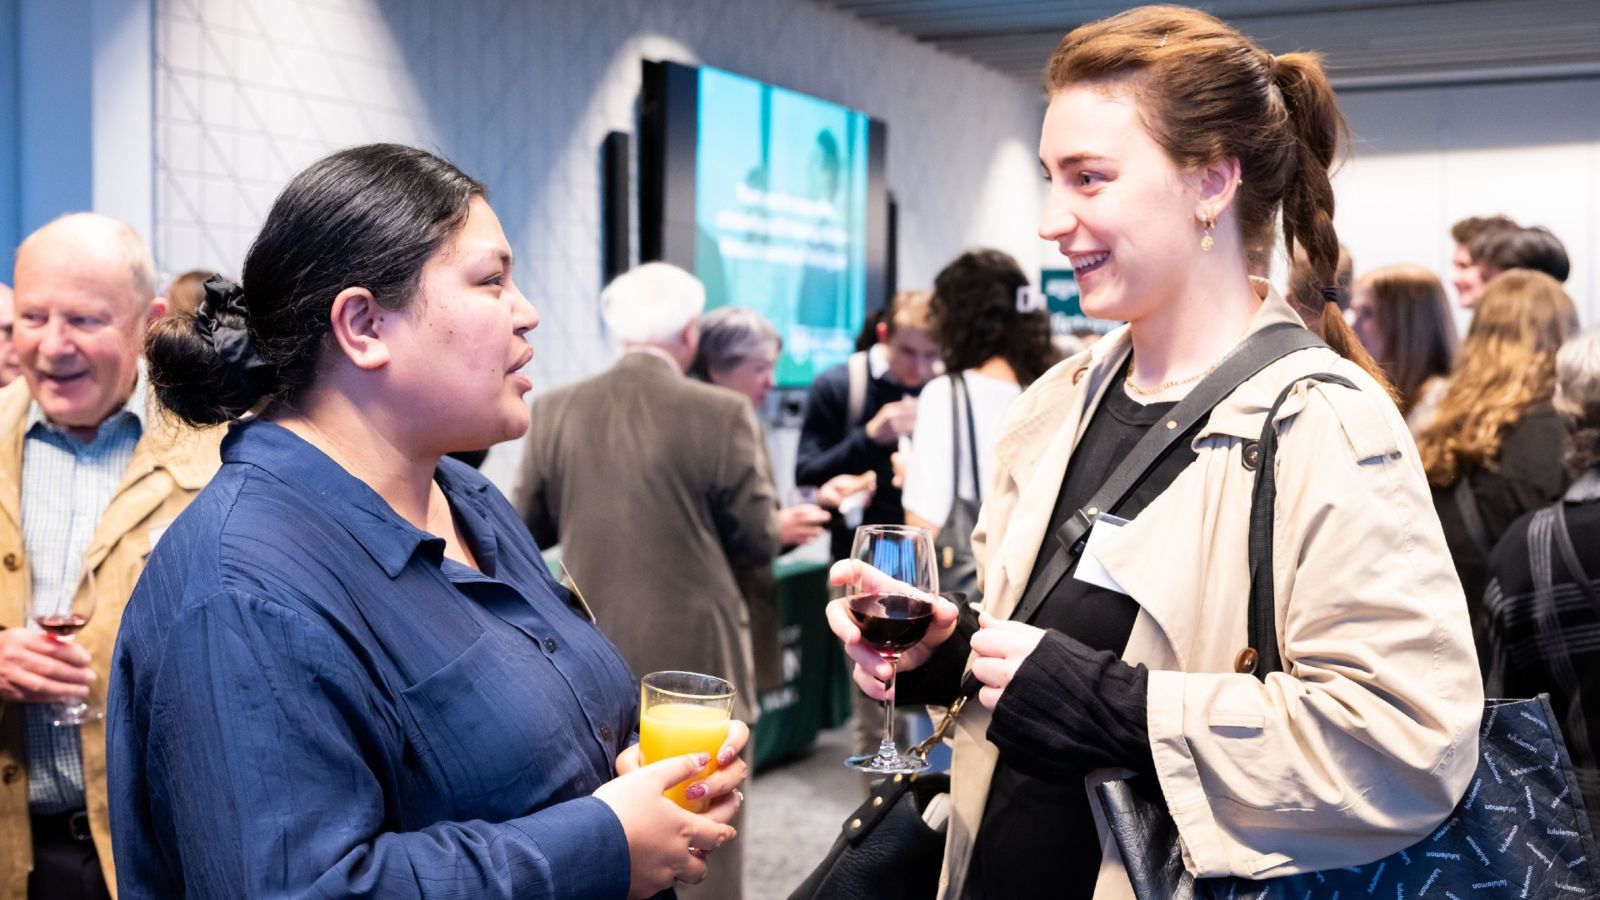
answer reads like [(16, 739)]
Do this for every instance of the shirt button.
[(605, 733), (10, 774), (550, 644), (12, 562)]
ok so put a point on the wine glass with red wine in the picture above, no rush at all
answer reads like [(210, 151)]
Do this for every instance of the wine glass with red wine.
[(893, 616), (63, 617)]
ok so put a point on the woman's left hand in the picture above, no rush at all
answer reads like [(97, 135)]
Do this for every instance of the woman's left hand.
[(721, 786), (1001, 646)]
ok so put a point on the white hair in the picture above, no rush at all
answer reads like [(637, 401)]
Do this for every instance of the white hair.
[(652, 303), (1578, 372)]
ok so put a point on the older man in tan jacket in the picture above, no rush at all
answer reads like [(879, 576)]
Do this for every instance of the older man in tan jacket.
[(90, 475)]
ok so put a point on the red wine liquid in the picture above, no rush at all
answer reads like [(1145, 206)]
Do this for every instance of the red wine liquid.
[(891, 623), (62, 626)]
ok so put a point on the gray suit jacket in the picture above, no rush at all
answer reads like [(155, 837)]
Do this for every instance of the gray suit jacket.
[(656, 488)]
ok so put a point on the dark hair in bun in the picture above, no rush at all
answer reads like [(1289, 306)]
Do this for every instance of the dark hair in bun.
[(369, 216)]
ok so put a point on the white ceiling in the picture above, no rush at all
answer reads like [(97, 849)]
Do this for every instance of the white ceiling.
[(1366, 43)]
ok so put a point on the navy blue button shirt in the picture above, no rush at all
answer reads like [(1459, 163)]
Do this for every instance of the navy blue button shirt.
[(308, 700)]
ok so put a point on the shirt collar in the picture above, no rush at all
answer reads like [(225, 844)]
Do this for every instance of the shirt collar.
[(390, 540), (878, 361), (137, 406)]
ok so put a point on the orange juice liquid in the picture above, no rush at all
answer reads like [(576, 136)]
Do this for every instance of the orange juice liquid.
[(676, 729)]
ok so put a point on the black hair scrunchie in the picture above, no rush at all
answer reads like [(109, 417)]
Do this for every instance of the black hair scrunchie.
[(220, 321)]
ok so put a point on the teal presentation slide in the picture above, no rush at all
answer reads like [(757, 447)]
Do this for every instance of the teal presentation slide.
[(780, 215)]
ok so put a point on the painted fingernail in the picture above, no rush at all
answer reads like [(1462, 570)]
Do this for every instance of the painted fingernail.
[(701, 760), (726, 757), (696, 791)]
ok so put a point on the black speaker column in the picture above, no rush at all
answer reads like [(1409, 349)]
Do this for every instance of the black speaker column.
[(615, 201)]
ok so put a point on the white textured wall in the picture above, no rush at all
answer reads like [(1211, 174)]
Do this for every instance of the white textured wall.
[(1428, 157), (520, 94)]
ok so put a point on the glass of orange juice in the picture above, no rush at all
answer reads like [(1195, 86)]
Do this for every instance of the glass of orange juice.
[(682, 713)]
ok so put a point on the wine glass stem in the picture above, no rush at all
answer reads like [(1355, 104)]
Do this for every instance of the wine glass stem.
[(887, 748)]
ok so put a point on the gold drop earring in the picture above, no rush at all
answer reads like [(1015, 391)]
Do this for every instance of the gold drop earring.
[(1206, 222)]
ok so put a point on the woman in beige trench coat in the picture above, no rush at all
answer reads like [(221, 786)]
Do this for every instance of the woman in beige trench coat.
[(1170, 144)]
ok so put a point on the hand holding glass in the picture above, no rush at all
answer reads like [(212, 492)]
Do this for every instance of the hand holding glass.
[(63, 617), (682, 713), (892, 619)]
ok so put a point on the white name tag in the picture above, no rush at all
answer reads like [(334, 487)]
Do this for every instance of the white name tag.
[(1090, 570)]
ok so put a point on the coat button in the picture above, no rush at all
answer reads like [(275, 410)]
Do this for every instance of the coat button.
[(1251, 455), (13, 562), (550, 644), (605, 732), (10, 774), (1245, 662)]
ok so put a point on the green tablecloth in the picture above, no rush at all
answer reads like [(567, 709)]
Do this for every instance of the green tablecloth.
[(816, 690)]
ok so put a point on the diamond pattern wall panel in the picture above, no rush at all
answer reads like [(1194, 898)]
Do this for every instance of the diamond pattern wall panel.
[(520, 94)]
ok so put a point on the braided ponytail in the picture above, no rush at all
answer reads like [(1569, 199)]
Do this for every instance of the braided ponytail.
[(1314, 121)]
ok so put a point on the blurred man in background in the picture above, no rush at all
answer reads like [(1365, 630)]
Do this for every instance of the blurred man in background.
[(857, 413), (8, 355)]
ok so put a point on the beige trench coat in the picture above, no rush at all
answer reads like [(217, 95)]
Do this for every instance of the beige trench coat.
[(1369, 737), (170, 465)]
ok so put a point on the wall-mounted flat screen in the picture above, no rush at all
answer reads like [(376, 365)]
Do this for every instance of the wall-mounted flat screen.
[(773, 198)]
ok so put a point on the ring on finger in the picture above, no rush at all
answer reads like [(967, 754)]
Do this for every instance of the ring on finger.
[(740, 794), (697, 853)]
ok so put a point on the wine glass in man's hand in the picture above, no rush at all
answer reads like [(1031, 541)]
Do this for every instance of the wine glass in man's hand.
[(62, 618)]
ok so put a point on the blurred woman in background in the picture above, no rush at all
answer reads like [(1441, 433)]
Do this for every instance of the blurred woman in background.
[(994, 351), (1493, 449), (739, 350), (1401, 314)]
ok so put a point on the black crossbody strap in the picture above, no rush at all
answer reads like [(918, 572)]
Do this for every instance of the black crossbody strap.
[(1263, 501), (1258, 351), (1569, 555)]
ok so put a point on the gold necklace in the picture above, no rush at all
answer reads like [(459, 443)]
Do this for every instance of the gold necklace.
[(1165, 385), (1168, 385)]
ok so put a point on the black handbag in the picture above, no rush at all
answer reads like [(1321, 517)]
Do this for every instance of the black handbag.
[(1520, 830), (885, 851), (958, 569)]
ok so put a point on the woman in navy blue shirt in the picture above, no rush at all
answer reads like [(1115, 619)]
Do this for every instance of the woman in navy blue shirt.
[(346, 671)]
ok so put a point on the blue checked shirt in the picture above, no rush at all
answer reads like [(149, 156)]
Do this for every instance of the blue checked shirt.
[(66, 485)]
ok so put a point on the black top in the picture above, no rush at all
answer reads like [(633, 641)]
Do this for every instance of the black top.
[(1527, 656), (1038, 837), (830, 446), (1527, 475), (1073, 705)]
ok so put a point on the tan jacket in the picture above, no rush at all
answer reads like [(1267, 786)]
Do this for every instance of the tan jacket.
[(170, 465), (1369, 737)]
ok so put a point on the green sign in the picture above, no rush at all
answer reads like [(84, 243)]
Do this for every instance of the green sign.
[(1060, 288)]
